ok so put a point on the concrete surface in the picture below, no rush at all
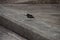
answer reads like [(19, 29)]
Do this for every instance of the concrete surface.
[(6, 34), (12, 1), (31, 1), (45, 25)]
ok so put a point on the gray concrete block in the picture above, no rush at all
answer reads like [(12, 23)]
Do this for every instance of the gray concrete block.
[(6, 34), (32, 29)]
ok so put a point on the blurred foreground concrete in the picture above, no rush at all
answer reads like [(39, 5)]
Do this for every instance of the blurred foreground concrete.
[(45, 25), (6, 34)]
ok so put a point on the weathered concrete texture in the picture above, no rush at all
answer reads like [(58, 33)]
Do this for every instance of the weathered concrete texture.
[(6, 34), (13, 17), (20, 29), (31, 1), (43, 2), (12, 1)]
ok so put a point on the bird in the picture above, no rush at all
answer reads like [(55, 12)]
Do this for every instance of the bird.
[(29, 16)]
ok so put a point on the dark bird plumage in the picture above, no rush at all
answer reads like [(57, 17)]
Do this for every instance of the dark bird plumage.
[(29, 16)]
